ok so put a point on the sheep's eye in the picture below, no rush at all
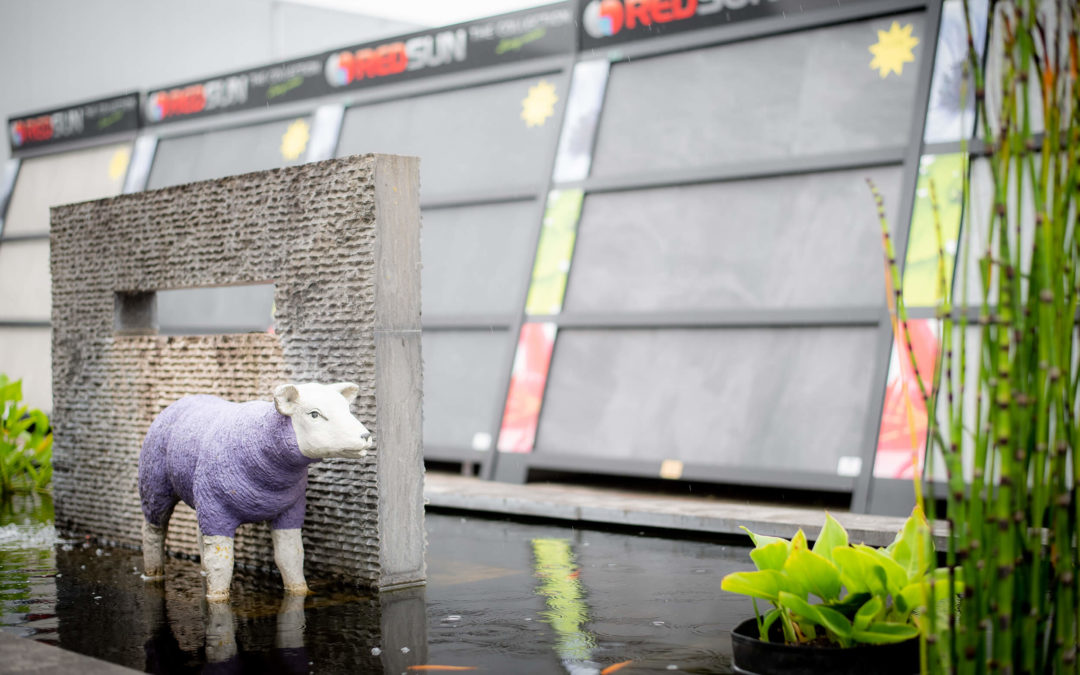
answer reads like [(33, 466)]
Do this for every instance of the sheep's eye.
[(315, 414)]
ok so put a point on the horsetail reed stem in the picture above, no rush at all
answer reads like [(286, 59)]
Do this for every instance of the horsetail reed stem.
[(894, 295), (895, 301), (1013, 519)]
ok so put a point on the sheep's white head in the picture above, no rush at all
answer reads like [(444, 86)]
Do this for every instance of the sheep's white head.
[(322, 421)]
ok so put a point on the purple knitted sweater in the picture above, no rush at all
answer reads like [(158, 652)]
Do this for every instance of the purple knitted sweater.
[(233, 463)]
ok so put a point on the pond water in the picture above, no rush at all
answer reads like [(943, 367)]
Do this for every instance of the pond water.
[(501, 597)]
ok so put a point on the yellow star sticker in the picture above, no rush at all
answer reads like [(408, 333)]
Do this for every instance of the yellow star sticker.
[(893, 49), (118, 164), (294, 140), (539, 104)]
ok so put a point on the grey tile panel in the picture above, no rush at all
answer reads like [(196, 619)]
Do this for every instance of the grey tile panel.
[(783, 399)]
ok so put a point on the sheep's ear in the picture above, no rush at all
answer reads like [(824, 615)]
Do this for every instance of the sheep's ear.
[(346, 389), (285, 398)]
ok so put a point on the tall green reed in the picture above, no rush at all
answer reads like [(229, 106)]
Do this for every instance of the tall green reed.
[(1006, 435)]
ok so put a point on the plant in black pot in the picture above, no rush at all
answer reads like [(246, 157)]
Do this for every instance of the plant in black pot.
[(838, 607)]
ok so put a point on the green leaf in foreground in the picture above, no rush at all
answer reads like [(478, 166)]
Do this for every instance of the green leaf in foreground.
[(761, 540), (913, 548), (883, 633), (770, 556), (767, 622), (867, 613), (860, 571), (820, 615), (764, 584), (896, 578), (832, 535), (814, 574)]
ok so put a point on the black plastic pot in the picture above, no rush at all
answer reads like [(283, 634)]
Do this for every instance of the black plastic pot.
[(754, 657)]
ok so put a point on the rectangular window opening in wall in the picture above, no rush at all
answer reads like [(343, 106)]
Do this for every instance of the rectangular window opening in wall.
[(196, 311)]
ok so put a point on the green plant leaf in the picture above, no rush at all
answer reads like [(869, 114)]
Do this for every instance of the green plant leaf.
[(860, 572), (766, 623), (896, 576), (913, 547), (764, 584), (10, 391), (836, 622), (851, 603), (25, 442), (819, 615), (867, 613), (770, 556), (832, 535), (762, 539), (813, 573), (884, 632), (20, 423), (914, 596), (799, 541)]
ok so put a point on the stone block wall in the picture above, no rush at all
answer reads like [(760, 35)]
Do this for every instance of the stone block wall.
[(340, 241)]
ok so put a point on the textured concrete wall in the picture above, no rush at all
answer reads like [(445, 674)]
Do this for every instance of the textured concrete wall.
[(340, 242)]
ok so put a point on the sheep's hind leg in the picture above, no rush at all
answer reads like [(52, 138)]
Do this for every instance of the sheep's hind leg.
[(217, 562), (153, 538), (154, 549)]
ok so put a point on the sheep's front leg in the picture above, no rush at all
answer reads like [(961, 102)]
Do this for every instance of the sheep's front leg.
[(217, 562), (289, 556), (154, 550)]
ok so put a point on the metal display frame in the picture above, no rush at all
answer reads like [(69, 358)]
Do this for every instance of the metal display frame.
[(866, 491), (514, 467), (472, 460)]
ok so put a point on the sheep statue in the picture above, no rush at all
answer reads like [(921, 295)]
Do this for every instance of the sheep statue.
[(238, 463)]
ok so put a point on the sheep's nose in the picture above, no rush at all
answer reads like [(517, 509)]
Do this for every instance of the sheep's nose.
[(365, 436)]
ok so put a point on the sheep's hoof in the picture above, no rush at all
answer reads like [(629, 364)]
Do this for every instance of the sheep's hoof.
[(297, 590), (153, 575)]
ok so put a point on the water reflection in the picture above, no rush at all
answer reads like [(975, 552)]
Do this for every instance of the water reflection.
[(588, 602), (27, 565), (567, 612), (503, 597), (164, 653), (106, 610)]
